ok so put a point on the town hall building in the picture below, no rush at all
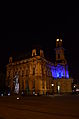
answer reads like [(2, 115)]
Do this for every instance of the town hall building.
[(37, 75)]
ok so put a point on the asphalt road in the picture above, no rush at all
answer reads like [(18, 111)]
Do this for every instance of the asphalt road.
[(39, 107)]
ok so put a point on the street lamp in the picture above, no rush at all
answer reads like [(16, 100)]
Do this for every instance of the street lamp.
[(52, 84), (52, 88)]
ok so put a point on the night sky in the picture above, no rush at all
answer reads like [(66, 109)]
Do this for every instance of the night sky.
[(43, 34)]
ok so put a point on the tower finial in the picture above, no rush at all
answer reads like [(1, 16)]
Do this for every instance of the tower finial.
[(59, 35)]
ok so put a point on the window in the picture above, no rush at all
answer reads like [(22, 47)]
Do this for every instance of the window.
[(8, 73), (22, 73), (58, 56), (33, 53), (22, 84), (42, 71), (59, 74), (43, 84), (33, 71), (27, 84), (26, 72), (33, 84)]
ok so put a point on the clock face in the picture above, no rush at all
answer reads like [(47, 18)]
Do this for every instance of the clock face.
[(57, 39), (61, 40)]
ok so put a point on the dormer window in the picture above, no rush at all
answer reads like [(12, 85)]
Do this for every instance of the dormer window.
[(33, 53)]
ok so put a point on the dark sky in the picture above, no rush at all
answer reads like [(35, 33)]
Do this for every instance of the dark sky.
[(43, 32)]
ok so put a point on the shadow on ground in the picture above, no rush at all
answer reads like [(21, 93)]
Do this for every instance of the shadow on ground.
[(2, 118)]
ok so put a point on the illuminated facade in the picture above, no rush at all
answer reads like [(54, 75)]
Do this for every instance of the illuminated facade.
[(37, 75), (60, 71)]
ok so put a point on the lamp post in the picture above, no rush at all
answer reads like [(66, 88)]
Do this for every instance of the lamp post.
[(52, 88)]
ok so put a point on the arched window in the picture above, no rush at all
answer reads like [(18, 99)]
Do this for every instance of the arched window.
[(33, 71), (58, 56), (22, 73)]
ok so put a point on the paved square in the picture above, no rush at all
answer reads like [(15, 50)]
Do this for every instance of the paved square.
[(39, 107)]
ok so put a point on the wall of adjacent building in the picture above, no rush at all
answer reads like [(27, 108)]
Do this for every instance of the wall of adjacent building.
[(65, 85)]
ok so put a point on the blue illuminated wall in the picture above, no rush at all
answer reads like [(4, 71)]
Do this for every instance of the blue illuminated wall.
[(60, 71)]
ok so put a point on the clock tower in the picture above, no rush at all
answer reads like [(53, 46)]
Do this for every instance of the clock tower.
[(60, 57)]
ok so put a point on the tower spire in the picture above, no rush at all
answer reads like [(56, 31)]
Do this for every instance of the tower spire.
[(59, 35)]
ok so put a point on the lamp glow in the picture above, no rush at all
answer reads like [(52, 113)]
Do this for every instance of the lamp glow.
[(52, 84)]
